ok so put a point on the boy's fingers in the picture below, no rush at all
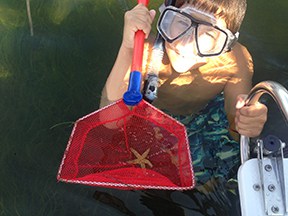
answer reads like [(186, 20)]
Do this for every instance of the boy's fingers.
[(152, 14), (248, 132), (241, 99), (249, 128), (253, 110), (244, 121)]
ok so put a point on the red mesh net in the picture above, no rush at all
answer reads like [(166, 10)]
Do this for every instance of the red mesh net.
[(124, 148)]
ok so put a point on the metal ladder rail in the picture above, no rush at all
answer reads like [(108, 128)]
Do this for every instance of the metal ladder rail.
[(280, 96), (274, 159)]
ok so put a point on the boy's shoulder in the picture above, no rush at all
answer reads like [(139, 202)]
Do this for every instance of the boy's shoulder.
[(241, 58), (240, 50)]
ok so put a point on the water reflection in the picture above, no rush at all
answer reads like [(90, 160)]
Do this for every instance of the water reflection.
[(217, 197), (57, 76)]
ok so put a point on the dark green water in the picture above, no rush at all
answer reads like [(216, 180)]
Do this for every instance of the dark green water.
[(51, 79)]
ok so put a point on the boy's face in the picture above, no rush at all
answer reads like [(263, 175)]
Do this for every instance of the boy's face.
[(188, 45)]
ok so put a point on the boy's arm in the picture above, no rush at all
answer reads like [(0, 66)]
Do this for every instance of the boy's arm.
[(246, 120), (139, 18), (117, 81)]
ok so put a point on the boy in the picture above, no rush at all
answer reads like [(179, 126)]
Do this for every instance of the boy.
[(204, 61)]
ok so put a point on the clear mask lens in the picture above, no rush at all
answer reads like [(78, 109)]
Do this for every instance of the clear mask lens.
[(210, 40), (173, 24)]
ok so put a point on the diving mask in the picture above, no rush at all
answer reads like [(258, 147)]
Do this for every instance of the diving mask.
[(188, 25)]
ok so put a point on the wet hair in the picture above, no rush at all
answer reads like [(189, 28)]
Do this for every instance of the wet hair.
[(232, 11)]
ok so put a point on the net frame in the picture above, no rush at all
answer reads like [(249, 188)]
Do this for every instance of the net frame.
[(102, 180)]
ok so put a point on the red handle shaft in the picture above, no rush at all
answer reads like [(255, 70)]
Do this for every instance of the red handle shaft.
[(145, 2), (138, 46)]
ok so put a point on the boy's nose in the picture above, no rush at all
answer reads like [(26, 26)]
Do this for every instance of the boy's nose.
[(187, 43), (186, 49)]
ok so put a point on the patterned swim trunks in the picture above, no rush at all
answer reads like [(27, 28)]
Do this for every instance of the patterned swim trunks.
[(214, 152)]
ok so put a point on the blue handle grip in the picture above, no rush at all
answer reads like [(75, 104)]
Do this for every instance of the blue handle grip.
[(133, 95)]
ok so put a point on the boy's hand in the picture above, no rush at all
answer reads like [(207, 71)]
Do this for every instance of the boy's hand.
[(139, 18), (250, 120)]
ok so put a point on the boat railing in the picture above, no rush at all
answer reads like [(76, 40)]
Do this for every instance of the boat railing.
[(263, 181)]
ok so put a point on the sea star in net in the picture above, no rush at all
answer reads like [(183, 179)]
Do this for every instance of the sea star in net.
[(140, 159)]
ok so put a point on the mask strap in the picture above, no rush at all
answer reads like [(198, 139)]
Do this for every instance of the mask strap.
[(162, 8), (233, 38)]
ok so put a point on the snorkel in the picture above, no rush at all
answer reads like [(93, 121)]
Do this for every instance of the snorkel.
[(151, 80)]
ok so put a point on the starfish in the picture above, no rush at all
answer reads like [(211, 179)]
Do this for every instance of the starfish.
[(140, 159)]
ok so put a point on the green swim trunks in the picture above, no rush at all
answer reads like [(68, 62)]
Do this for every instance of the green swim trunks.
[(214, 152)]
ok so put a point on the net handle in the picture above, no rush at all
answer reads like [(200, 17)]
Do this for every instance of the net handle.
[(138, 46), (133, 95)]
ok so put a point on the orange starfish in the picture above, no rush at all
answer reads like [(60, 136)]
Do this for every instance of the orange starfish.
[(140, 159)]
